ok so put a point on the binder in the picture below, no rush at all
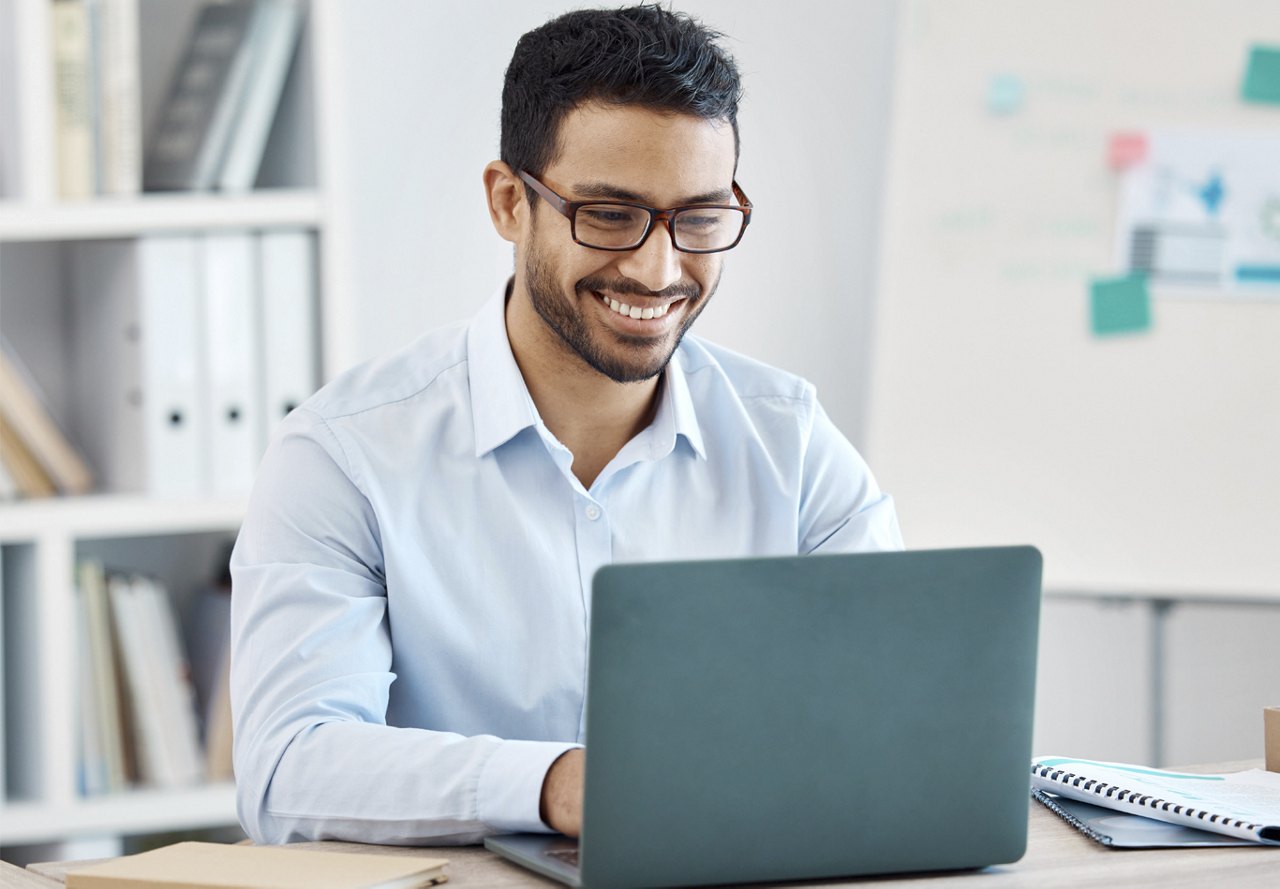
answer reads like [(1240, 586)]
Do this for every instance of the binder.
[(139, 364), (233, 397), (288, 313)]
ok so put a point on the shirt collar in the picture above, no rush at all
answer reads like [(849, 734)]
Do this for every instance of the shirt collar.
[(501, 406), (676, 412)]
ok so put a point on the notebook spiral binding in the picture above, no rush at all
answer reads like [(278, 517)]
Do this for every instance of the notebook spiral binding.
[(1110, 791), (1051, 804)]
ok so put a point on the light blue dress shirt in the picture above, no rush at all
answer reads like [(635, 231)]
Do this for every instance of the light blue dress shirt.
[(412, 582)]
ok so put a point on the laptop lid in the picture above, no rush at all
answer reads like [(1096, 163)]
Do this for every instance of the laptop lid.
[(818, 716)]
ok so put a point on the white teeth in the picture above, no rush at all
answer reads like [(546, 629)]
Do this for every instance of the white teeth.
[(635, 311)]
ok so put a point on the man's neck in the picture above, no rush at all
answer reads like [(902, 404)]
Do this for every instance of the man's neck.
[(590, 414)]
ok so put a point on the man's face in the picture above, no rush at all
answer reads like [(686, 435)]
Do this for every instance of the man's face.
[(629, 154)]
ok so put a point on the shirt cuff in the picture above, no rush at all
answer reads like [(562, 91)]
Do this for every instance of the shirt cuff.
[(510, 791)]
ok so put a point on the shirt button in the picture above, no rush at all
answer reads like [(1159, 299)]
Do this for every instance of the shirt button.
[(593, 512)]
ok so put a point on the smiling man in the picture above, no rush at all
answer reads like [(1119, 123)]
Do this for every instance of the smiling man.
[(412, 581)]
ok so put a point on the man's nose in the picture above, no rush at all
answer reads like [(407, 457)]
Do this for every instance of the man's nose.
[(656, 262)]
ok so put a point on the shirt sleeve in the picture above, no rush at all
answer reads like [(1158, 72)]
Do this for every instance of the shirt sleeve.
[(842, 509), (311, 672)]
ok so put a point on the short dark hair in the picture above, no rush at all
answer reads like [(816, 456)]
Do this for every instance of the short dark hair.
[(638, 55)]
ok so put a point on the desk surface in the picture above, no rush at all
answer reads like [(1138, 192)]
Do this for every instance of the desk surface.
[(1057, 857)]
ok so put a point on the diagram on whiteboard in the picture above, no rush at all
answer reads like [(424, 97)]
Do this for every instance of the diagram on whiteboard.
[(1200, 211)]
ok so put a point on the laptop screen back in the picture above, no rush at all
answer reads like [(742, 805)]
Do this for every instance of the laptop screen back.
[(789, 718)]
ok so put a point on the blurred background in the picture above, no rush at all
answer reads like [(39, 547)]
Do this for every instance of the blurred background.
[(1029, 253)]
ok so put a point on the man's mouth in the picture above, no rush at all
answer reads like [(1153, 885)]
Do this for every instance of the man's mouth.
[(636, 312)]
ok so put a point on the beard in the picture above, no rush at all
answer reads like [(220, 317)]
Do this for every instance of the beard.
[(623, 358)]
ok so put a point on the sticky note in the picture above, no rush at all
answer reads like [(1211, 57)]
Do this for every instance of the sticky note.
[(1005, 94), (1120, 305), (1126, 150), (1262, 76)]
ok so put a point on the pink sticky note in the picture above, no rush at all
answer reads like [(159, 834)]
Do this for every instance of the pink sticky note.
[(1126, 150)]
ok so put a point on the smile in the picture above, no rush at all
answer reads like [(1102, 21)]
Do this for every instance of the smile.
[(635, 312)]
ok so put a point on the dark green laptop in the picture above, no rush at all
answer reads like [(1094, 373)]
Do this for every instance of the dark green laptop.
[(799, 718)]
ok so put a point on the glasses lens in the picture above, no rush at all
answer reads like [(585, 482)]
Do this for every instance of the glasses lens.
[(707, 228), (610, 225)]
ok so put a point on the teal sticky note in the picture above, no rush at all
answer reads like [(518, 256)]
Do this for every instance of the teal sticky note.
[(1005, 94), (1262, 76), (1120, 305)]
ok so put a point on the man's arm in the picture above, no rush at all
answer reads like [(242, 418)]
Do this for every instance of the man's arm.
[(561, 806), (311, 679), (842, 509)]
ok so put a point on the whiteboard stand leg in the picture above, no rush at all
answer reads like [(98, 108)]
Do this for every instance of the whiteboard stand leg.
[(1160, 609)]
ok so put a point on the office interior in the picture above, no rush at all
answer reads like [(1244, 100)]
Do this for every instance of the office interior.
[(936, 197)]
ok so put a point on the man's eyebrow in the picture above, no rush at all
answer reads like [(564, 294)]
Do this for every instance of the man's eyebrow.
[(591, 190)]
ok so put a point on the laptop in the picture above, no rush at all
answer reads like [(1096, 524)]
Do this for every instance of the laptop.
[(803, 717)]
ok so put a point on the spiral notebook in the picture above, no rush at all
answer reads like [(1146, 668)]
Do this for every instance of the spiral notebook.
[(1244, 805), (1118, 830)]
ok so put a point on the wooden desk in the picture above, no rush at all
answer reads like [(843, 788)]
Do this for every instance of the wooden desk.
[(1058, 857)]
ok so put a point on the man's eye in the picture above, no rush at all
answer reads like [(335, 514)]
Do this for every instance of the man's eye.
[(606, 217), (691, 221)]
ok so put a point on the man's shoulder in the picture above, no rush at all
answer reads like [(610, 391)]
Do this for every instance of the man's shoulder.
[(711, 368), (414, 371)]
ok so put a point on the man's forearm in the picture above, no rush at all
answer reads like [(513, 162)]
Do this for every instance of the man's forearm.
[(561, 806)]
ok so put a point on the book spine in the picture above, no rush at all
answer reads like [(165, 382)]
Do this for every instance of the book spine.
[(231, 100), (187, 148), (1121, 799), (45, 441), (72, 62), (120, 117), (270, 50)]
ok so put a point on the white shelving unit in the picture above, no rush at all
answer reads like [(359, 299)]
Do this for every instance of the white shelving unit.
[(40, 540)]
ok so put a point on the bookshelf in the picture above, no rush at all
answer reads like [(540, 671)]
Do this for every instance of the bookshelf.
[(178, 538)]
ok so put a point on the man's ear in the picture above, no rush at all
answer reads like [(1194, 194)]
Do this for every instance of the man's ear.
[(507, 205)]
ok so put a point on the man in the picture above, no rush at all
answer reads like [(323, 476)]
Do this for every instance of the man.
[(412, 580)]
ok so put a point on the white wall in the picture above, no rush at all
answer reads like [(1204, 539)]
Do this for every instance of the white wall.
[(424, 83)]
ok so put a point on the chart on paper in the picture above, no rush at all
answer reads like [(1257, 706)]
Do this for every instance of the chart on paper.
[(1200, 213)]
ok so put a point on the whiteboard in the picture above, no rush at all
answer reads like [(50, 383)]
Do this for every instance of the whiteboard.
[(1144, 463)]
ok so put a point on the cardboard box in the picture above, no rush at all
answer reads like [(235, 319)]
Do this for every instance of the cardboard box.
[(1271, 727)]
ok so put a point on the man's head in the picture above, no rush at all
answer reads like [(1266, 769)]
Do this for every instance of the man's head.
[(645, 56), (635, 105)]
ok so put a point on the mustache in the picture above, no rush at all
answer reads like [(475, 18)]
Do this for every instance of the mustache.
[(621, 286)]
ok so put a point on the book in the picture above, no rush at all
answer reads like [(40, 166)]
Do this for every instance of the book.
[(28, 476), (73, 98), (22, 410), (1121, 831), (102, 685), (160, 697), (216, 866), (1245, 805), (270, 47), (8, 487), (119, 97), (196, 122)]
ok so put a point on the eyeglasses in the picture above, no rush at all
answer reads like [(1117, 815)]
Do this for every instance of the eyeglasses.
[(621, 225)]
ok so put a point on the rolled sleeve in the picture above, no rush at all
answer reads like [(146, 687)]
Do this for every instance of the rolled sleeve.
[(510, 793), (842, 509)]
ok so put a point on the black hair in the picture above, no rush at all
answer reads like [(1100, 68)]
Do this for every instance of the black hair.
[(638, 55)]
